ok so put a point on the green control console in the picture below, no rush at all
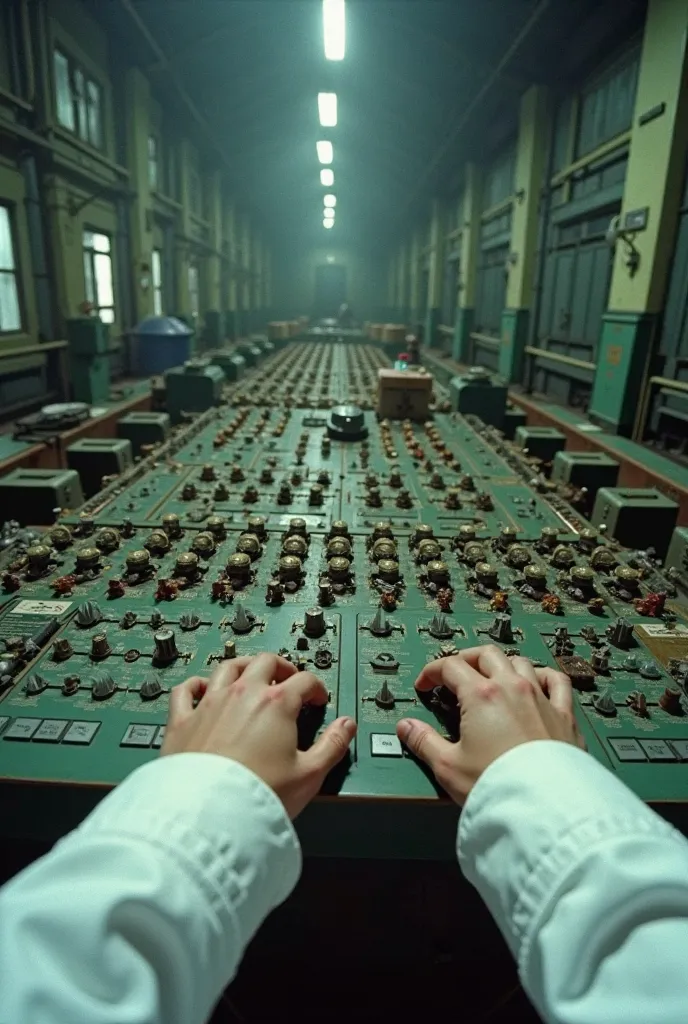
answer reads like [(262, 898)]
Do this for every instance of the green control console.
[(251, 529)]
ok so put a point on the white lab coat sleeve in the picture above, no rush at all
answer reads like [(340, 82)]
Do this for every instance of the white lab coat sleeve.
[(587, 884), (142, 914)]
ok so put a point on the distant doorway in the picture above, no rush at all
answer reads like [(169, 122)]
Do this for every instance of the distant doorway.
[(330, 290)]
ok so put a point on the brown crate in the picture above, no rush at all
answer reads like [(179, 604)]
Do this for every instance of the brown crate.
[(403, 394)]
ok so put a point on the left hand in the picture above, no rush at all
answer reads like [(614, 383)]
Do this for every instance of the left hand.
[(247, 711)]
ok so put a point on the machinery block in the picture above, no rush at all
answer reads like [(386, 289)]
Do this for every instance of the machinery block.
[(96, 457), (194, 387), (475, 394), (144, 428), (513, 419), (540, 442), (32, 496), (231, 363), (590, 470), (677, 555), (638, 518)]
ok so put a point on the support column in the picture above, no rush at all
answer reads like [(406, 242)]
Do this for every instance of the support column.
[(432, 315), (415, 313), (258, 319), (232, 271), (654, 180), (468, 265), (137, 94), (531, 167), (182, 242), (247, 312), (267, 282), (214, 321), (400, 306)]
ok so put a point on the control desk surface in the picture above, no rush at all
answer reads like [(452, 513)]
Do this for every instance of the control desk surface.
[(251, 530)]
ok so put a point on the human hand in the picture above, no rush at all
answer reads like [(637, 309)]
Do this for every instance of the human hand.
[(241, 715), (503, 702)]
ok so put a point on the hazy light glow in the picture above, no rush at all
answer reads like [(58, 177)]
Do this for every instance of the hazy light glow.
[(328, 215), (328, 224), (327, 109), (330, 200), (325, 152), (327, 177), (334, 29)]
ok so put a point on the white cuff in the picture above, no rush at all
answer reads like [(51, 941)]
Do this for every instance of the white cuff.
[(533, 816), (218, 821)]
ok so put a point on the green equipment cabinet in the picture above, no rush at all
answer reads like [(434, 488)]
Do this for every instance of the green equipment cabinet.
[(96, 457), (513, 419), (193, 387), (89, 363), (677, 556), (32, 496), (143, 428), (476, 394), (231, 363), (637, 517), (251, 353), (591, 470), (541, 442)]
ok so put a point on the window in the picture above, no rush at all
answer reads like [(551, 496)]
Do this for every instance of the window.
[(10, 313), (78, 100), (98, 275), (194, 298), (156, 268), (153, 162)]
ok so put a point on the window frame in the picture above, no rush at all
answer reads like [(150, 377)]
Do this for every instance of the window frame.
[(85, 126), (153, 162), (90, 252), (16, 272)]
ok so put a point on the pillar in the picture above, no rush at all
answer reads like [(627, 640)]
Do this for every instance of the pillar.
[(214, 320), (232, 270), (531, 168), (400, 306), (137, 99), (245, 281), (258, 284), (435, 274), (415, 313), (654, 181), (468, 264), (182, 241)]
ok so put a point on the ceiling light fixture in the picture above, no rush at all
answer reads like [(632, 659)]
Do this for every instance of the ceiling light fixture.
[(325, 152), (327, 177), (334, 29), (328, 224), (326, 217), (330, 200), (327, 109)]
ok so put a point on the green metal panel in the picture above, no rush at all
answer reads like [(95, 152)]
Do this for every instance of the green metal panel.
[(637, 517), (33, 496), (626, 341)]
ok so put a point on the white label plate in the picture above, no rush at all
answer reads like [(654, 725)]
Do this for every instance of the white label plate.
[(659, 629), (41, 608)]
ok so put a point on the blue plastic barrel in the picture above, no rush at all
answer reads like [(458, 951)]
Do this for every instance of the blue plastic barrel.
[(161, 343)]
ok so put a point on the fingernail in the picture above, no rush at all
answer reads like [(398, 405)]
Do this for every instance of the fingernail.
[(348, 724), (403, 728)]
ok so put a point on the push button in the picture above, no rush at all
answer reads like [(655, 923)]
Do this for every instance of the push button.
[(81, 733), (22, 728), (658, 750), (138, 736), (51, 731), (627, 750), (385, 745)]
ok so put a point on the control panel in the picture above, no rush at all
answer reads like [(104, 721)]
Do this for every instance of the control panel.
[(257, 527)]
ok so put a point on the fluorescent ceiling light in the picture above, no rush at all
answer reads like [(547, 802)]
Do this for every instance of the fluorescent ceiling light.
[(325, 152), (328, 224), (327, 177), (334, 29), (330, 200), (327, 109), (328, 214)]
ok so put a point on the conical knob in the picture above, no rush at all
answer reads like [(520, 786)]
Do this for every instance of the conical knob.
[(604, 703), (379, 625), (501, 630), (103, 687), (35, 684), (151, 688), (88, 614), (165, 647), (314, 622), (384, 698), (439, 627), (243, 620)]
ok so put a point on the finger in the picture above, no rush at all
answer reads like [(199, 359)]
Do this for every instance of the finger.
[(450, 672), (426, 743), (268, 668), (525, 669), (488, 659), (227, 672), (558, 688), (306, 688), (182, 698), (330, 747)]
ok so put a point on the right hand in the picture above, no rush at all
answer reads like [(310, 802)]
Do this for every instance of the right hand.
[(247, 711), (504, 702)]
